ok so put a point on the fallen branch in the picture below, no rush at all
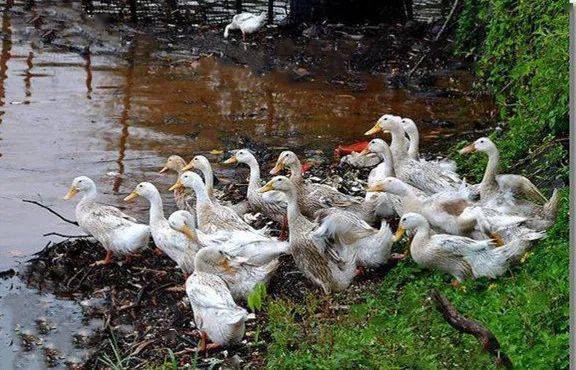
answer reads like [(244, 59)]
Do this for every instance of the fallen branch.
[(468, 326), (446, 21), (50, 210), (67, 236)]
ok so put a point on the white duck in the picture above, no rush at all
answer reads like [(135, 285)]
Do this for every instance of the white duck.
[(331, 269), (272, 204), (210, 215), (413, 149), (237, 268), (202, 164), (116, 231), (246, 22), (505, 192), (442, 210), (460, 256), (183, 199), (343, 227), (181, 248), (216, 314), (422, 175)]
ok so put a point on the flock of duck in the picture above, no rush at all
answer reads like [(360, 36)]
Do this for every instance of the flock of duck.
[(465, 230)]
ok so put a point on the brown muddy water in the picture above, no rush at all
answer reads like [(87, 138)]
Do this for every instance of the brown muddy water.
[(116, 119)]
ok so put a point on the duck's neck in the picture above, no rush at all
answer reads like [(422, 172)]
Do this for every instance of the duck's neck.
[(489, 179), (398, 144), (386, 156), (209, 180), (89, 196), (202, 197), (421, 238), (293, 211), (156, 208), (296, 172), (414, 144), (254, 182)]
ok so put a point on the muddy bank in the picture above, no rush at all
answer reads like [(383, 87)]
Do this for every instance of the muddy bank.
[(411, 54)]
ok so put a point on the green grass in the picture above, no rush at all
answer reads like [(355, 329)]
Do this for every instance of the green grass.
[(397, 325)]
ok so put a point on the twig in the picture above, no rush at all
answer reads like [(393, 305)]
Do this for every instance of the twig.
[(67, 236), (51, 211), (468, 326), (447, 20)]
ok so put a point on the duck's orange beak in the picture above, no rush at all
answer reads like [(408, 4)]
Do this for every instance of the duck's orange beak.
[(177, 185), (374, 130), (72, 191), (468, 149)]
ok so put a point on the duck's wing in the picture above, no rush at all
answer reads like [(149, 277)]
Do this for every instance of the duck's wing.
[(427, 177), (459, 246), (341, 226), (521, 187), (330, 196), (108, 216)]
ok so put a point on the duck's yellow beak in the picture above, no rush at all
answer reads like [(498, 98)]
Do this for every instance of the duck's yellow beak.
[(72, 191), (374, 130), (279, 167), (189, 166), (399, 234), (365, 152), (177, 185), (186, 230), (376, 188), (268, 187), (132, 195), (231, 160), (468, 149), (164, 169)]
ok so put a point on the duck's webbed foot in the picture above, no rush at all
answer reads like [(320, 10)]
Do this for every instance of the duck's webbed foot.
[(497, 239), (107, 260)]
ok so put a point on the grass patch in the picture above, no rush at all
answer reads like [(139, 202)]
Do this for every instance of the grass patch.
[(397, 326)]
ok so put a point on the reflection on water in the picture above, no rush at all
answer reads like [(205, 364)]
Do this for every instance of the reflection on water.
[(117, 119)]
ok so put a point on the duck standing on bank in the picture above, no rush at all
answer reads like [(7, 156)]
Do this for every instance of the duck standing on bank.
[(116, 231)]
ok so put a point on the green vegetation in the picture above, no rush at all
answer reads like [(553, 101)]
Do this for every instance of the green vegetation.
[(522, 50), (523, 54), (397, 325)]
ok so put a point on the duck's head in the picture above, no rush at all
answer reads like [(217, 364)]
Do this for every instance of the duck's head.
[(279, 183), (286, 159), (183, 221), (79, 184), (483, 144), (143, 189), (376, 146), (409, 126), (241, 156), (385, 124), (199, 162), (409, 221), (188, 179), (174, 163), (389, 185), (214, 260)]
